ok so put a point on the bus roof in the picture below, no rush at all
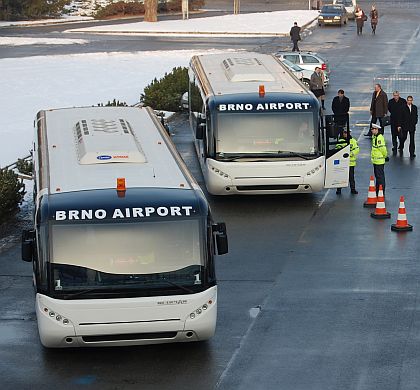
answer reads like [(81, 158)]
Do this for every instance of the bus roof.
[(90, 147), (244, 72)]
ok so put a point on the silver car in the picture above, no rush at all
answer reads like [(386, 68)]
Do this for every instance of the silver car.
[(305, 59)]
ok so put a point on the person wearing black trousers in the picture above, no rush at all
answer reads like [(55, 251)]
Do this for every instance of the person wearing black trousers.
[(295, 36), (396, 107), (409, 125), (378, 108), (340, 107)]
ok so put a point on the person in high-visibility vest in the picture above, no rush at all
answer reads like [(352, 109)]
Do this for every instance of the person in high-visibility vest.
[(379, 155), (344, 140)]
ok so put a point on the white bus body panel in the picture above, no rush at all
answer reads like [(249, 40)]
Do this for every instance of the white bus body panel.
[(125, 316), (304, 176)]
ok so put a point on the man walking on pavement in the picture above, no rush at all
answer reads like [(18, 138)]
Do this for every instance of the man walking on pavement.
[(340, 107), (316, 85), (378, 108), (378, 156), (344, 140), (409, 126), (295, 36), (396, 107)]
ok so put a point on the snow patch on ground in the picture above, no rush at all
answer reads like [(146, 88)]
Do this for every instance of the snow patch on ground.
[(260, 24), (35, 83), (20, 41)]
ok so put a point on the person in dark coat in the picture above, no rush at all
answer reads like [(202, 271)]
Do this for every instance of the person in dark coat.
[(374, 16), (340, 107), (396, 107), (295, 36), (360, 20), (409, 125), (378, 108), (316, 85)]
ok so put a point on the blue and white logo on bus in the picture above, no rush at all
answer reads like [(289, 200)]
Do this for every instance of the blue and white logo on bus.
[(104, 157)]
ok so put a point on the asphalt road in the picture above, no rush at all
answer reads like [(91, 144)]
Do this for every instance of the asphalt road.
[(314, 294)]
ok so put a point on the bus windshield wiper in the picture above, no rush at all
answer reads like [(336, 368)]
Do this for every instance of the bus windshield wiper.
[(83, 292), (233, 156), (304, 156), (177, 285)]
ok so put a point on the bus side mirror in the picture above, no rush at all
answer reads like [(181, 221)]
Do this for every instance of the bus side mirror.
[(28, 239), (221, 238), (330, 127), (199, 132)]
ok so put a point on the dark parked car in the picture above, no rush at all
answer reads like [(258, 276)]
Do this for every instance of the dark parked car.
[(332, 14)]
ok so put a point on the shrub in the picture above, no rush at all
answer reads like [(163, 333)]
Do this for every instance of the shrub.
[(121, 8), (12, 191), (24, 166), (165, 94), (113, 103)]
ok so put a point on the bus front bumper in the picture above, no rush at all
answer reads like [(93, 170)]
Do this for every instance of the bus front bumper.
[(127, 321)]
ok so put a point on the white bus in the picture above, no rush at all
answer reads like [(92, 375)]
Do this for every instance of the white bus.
[(258, 129), (123, 241)]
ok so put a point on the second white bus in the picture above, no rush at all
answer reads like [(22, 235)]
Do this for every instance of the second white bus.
[(258, 129)]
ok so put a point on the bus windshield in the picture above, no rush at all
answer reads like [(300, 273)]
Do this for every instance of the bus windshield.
[(254, 133), (126, 255)]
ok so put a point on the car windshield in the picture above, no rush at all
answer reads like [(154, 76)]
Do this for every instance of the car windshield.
[(102, 255), (330, 9), (256, 133)]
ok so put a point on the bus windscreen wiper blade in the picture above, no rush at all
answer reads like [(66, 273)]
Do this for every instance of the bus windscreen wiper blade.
[(233, 157), (83, 292), (305, 157), (177, 285)]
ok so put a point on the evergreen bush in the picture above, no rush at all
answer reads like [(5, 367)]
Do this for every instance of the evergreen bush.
[(165, 94), (12, 191), (24, 166), (122, 8)]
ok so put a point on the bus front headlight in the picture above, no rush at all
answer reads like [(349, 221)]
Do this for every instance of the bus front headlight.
[(217, 171), (314, 170), (55, 316), (200, 309)]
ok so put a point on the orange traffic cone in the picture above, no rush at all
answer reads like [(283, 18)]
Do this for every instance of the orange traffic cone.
[(371, 199), (402, 224), (380, 211)]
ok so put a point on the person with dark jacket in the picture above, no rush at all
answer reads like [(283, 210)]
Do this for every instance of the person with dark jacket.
[(340, 107), (374, 16), (409, 125), (396, 107), (316, 85), (295, 36), (378, 108)]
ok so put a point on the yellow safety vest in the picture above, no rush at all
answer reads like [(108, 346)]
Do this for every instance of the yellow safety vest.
[(354, 149), (379, 151)]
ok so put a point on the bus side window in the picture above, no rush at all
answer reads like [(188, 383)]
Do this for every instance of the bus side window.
[(210, 249), (195, 102), (210, 144)]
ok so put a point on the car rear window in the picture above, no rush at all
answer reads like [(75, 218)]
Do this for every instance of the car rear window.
[(293, 58), (309, 59)]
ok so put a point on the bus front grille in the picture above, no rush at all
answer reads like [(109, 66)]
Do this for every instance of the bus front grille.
[(274, 187), (129, 337)]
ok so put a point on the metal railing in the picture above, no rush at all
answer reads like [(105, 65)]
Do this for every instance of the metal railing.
[(408, 83)]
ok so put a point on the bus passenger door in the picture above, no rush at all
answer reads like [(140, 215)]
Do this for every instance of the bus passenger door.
[(337, 161)]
